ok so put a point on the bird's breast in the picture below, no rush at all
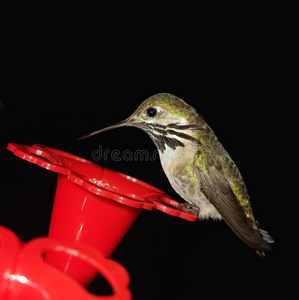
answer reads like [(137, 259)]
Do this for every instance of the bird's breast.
[(181, 172), (178, 167)]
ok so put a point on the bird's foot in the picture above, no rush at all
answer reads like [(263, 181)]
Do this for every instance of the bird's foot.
[(187, 207)]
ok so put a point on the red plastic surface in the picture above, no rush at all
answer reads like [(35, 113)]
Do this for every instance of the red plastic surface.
[(124, 188), (82, 216), (25, 275), (92, 205), (39, 157)]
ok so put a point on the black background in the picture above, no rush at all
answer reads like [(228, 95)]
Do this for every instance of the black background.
[(59, 85)]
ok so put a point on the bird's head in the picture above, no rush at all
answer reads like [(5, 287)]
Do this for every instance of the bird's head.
[(166, 118)]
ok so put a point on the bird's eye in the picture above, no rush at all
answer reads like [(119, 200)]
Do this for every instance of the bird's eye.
[(151, 112)]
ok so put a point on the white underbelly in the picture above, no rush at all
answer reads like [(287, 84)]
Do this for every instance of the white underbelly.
[(186, 186)]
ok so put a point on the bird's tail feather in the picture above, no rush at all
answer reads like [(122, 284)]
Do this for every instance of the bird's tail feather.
[(267, 240), (266, 236)]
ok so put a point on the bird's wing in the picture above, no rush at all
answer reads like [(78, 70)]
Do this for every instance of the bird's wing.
[(218, 191)]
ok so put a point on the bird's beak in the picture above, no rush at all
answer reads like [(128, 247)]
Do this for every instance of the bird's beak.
[(117, 125)]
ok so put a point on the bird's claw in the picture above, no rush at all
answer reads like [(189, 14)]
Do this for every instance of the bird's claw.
[(187, 207)]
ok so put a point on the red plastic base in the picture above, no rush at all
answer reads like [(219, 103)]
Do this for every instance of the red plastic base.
[(25, 275)]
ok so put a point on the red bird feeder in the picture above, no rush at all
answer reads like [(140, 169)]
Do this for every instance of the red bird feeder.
[(92, 205)]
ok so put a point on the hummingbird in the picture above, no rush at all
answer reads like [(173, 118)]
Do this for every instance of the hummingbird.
[(197, 166)]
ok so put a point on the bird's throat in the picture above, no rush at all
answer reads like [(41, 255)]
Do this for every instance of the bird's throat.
[(172, 135)]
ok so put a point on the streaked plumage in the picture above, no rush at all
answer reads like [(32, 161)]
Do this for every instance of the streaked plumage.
[(197, 165)]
